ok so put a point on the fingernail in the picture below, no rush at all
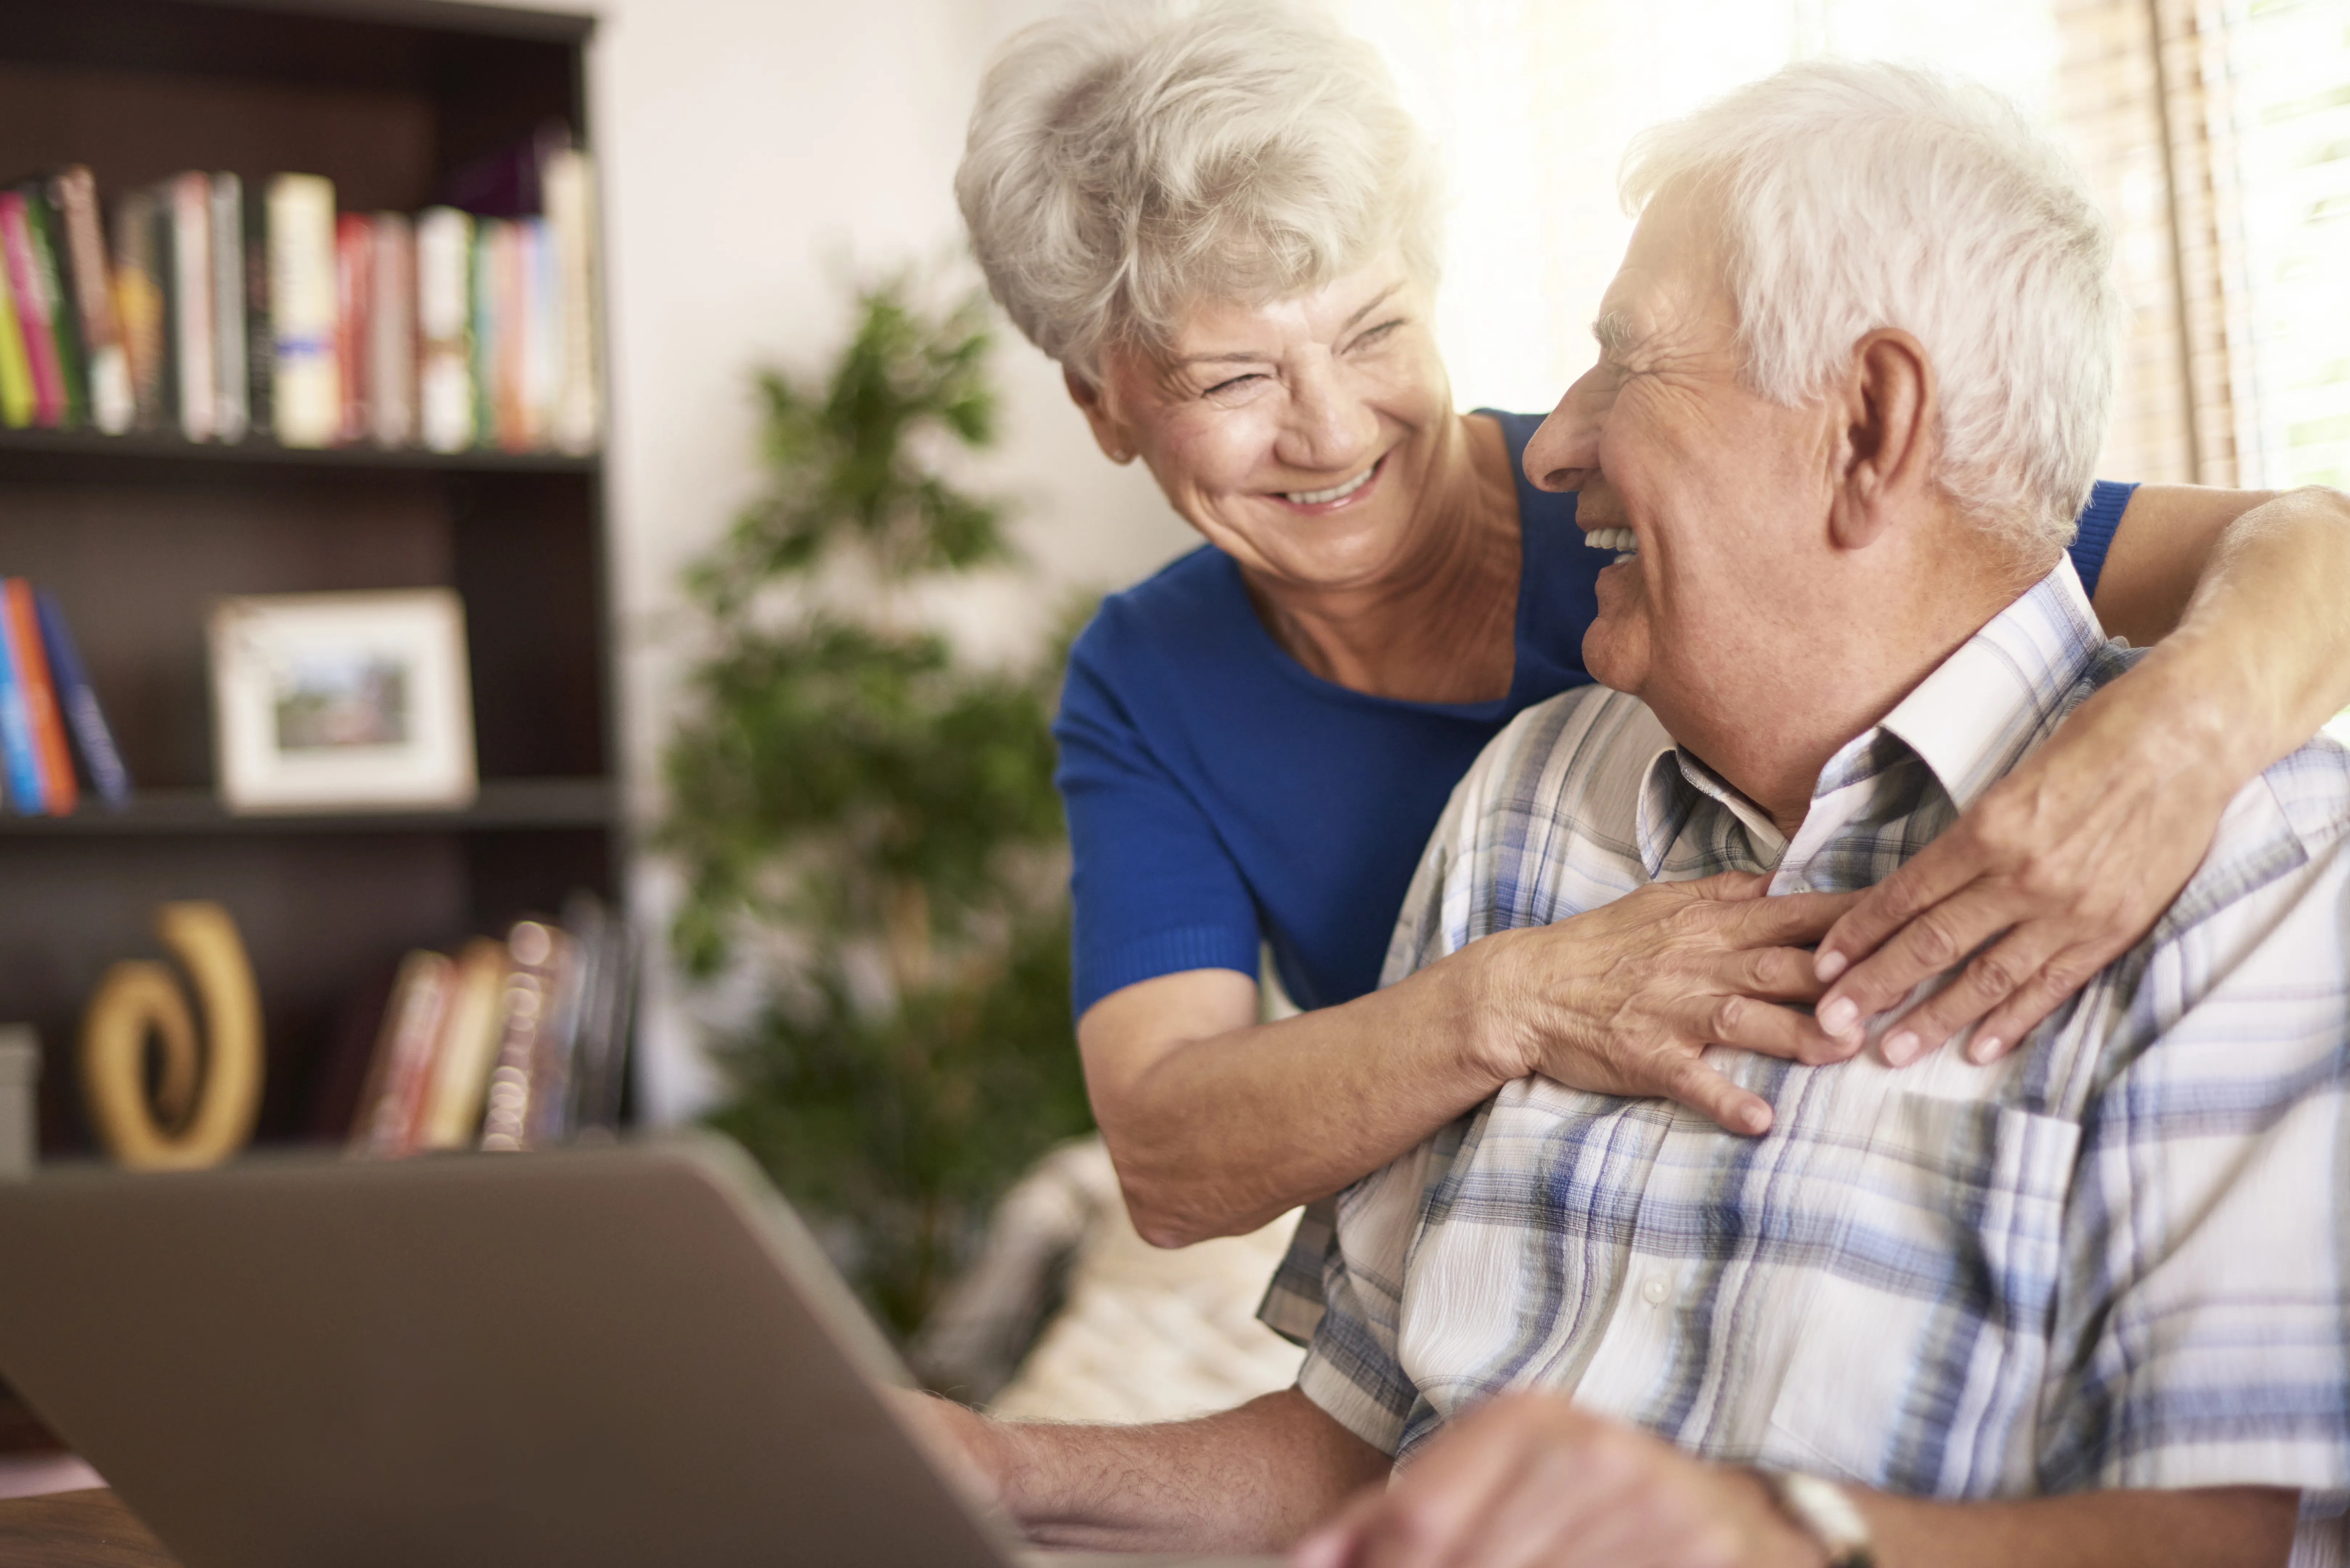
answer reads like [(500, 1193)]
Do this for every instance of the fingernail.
[(1829, 964), (1983, 1048), (1837, 1016), (1900, 1048), (1756, 1118)]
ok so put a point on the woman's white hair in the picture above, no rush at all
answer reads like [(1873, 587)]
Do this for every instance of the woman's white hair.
[(1852, 197), (1127, 161)]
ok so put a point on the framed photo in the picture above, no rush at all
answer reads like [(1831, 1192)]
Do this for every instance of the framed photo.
[(337, 701)]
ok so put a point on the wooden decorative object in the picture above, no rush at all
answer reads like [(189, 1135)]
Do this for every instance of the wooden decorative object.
[(206, 1096)]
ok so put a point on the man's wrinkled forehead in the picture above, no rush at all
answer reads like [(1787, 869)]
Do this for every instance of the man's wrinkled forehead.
[(1670, 287)]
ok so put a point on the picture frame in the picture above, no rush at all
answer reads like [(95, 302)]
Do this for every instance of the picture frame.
[(342, 702)]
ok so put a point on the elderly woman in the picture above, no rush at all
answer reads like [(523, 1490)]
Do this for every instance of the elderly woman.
[(1223, 225)]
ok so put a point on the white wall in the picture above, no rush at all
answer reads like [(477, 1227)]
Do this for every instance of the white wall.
[(756, 154)]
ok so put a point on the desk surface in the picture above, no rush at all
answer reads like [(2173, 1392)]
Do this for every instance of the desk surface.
[(76, 1530)]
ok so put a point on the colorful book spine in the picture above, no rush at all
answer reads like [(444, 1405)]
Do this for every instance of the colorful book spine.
[(34, 306), (91, 733), (20, 760), (445, 245), (392, 333), (307, 399), (538, 957), (510, 265), (112, 405), (16, 371), (486, 348), (542, 333), (402, 1063), (139, 305), (260, 347), (232, 414), (568, 183), (354, 290), (450, 1116), (45, 228), (23, 624), (189, 197)]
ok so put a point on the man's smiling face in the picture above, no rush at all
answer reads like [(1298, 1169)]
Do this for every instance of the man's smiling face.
[(1724, 494)]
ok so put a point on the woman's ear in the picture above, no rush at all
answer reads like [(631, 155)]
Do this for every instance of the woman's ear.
[(1109, 433), (1884, 458)]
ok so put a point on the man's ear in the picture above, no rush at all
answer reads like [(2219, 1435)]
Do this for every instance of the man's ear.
[(1885, 456), (1109, 433)]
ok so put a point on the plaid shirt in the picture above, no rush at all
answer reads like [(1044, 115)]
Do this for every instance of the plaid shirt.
[(2110, 1259)]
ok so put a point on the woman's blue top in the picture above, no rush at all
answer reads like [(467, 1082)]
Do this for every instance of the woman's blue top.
[(1220, 794)]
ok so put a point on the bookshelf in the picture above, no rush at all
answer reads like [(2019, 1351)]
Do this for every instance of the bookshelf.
[(138, 534)]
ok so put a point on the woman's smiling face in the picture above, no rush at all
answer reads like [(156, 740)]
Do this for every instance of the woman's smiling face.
[(1297, 436)]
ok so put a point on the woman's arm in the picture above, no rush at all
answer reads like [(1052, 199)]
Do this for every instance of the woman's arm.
[(1218, 1122), (2076, 853)]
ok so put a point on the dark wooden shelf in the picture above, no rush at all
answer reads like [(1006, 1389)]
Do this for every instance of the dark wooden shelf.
[(140, 535), (503, 804), (261, 451)]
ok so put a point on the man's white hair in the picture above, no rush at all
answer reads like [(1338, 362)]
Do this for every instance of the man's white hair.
[(1128, 162), (1852, 197)]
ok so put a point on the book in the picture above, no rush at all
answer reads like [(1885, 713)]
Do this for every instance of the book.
[(403, 1063), (541, 308), (22, 624), (600, 1070), (74, 195), (92, 735), (165, 226), (540, 957), (445, 245), (188, 199), (231, 382), (34, 304), (450, 1114), (392, 333), (572, 997), (307, 394), (487, 351), (139, 305), (44, 230), (510, 308), (20, 760), (16, 371), (354, 289), (569, 185), (260, 347)]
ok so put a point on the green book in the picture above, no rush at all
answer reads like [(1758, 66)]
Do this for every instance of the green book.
[(48, 234), (16, 371)]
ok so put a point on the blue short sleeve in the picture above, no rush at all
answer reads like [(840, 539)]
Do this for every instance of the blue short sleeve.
[(1154, 888), (2093, 532)]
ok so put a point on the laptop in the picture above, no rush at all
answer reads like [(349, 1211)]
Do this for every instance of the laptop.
[(609, 1358)]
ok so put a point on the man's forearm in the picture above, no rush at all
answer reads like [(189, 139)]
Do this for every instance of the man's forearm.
[(2218, 1527), (1251, 1480)]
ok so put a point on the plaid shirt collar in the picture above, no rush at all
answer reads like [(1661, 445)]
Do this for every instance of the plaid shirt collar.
[(1969, 723)]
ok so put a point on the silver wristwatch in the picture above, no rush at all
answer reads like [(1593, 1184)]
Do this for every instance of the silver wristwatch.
[(1826, 1513)]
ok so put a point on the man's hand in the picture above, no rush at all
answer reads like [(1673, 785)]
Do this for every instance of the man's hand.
[(1528, 1479), (1623, 998), (2074, 856)]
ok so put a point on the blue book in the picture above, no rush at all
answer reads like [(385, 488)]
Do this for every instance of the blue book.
[(18, 761), (92, 737)]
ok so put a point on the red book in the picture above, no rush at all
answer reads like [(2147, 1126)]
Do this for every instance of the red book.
[(30, 291), (24, 632), (354, 318)]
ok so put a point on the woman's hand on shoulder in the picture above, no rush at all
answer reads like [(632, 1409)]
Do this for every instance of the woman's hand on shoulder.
[(1623, 999), (2054, 872)]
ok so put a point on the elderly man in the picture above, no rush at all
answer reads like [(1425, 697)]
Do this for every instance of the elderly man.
[(2082, 1306)]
